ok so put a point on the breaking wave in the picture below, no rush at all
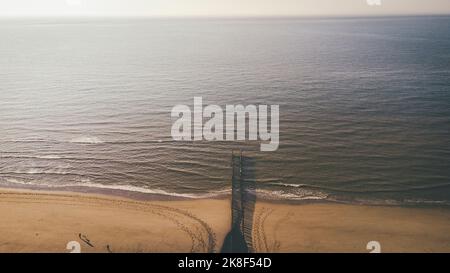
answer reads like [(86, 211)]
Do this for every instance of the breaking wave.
[(87, 140)]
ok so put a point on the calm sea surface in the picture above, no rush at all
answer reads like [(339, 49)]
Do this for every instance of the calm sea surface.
[(364, 105)]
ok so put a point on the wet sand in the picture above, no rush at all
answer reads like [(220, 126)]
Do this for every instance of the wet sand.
[(40, 221)]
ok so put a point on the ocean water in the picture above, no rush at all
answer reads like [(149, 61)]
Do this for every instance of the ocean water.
[(364, 105)]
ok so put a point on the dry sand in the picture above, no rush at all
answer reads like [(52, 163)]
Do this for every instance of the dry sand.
[(36, 221)]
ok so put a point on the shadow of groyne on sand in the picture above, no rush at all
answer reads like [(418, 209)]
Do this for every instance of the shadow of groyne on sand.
[(243, 199)]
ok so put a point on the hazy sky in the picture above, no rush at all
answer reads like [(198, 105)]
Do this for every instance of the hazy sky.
[(220, 7)]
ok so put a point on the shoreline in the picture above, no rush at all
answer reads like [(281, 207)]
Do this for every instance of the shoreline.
[(45, 221), (147, 196)]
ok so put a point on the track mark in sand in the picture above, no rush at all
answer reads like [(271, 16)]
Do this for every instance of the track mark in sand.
[(259, 230), (200, 233), (260, 238), (197, 234)]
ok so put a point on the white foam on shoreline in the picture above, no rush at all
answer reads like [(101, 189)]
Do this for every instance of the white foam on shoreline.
[(298, 196), (260, 193), (130, 188), (127, 188), (289, 185)]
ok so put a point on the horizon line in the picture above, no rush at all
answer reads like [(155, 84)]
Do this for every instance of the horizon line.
[(250, 16)]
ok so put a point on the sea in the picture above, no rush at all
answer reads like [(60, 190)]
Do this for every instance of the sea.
[(85, 104)]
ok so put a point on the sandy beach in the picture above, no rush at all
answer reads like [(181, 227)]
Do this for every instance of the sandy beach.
[(39, 221)]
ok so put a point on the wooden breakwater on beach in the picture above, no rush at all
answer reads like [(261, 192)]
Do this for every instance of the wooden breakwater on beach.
[(243, 198)]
